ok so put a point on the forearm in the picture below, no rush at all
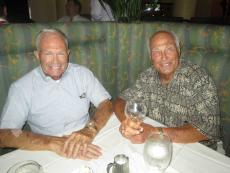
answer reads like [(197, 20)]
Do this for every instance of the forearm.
[(99, 119), (184, 134), (102, 114), (16, 138), (119, 107)]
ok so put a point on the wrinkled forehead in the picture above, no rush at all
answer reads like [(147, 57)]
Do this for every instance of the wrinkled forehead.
[(162, 39), (52, 36)]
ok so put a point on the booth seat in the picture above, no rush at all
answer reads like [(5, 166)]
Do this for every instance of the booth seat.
[(117, 53)]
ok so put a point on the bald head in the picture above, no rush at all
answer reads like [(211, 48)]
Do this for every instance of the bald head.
[(165, 53), (170, 34)]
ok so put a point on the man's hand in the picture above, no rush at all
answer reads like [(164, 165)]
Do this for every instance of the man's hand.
[(84, 135), (88, 151), (136, 131), (17, 138), (75, 149), (130, 127), (79, 141), (141, 138), (84, 151)]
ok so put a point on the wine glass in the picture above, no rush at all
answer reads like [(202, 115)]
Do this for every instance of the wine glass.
[(135, 110), (26, 166), (157, 152)]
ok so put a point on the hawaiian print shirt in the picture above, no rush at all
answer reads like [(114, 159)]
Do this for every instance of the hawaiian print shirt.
[(191, 97)]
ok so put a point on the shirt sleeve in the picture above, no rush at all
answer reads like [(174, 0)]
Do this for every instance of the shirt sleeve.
[(137, 92), (93, 88), (207, 116), (15, 111)]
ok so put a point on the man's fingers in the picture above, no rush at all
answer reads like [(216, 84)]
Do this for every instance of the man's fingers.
[(78, 146), (77, 150), (127, 131), (131, 131), (88, 151), (84, 149), (70, 148), (130, 127), (137, 139), (134, 124), (93, 152), (94, 149), (68, 140)]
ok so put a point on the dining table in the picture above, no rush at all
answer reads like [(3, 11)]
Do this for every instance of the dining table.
[(186, 158)]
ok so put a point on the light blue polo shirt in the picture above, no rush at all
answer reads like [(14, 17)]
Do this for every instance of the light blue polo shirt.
[(52, 107)]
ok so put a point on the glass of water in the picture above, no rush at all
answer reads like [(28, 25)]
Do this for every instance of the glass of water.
[(157, 152), (27, 166), (135, 110)]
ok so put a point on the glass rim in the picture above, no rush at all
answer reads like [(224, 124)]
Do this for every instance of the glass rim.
[(21, 164), (159, 134)]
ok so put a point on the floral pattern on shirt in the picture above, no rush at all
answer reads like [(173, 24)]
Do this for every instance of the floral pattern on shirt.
[(191, 97)]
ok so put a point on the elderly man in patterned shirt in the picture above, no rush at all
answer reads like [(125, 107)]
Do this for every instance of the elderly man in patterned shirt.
[(179, 94)]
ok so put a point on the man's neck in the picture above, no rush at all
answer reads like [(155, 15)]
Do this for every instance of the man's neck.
[(165, 79)]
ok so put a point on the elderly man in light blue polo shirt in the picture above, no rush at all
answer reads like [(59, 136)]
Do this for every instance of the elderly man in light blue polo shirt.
[(54, 100)]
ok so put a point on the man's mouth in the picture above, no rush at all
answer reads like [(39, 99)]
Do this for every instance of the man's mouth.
[(165, 65), (55, 66)]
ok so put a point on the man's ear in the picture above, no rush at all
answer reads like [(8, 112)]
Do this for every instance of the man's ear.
[(36, 55), (68, 53), (179, 49)]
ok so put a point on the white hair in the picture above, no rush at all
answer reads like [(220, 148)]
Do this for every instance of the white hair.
[(50, 30), (177, 41)]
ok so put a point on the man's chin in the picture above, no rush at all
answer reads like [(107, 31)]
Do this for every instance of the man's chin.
[(55, 77), (166, 71)]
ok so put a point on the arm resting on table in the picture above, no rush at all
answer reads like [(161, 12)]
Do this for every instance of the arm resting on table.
[(184, 134), (86, 135), (102, 115), (96, 123), (16, 138), (181, 134)]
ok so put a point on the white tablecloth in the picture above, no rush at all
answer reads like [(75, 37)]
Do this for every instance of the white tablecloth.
[(188, 158)]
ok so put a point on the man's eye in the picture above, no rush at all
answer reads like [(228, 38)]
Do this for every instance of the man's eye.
[(156, 53), (170, 49), (48, 54), (61, 54)]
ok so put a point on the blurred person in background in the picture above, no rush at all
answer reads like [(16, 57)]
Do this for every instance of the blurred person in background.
[(100, 13), (3, 13), (73, 9)]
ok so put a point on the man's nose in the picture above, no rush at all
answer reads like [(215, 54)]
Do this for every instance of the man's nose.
[(163, 55), (55, 57)]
